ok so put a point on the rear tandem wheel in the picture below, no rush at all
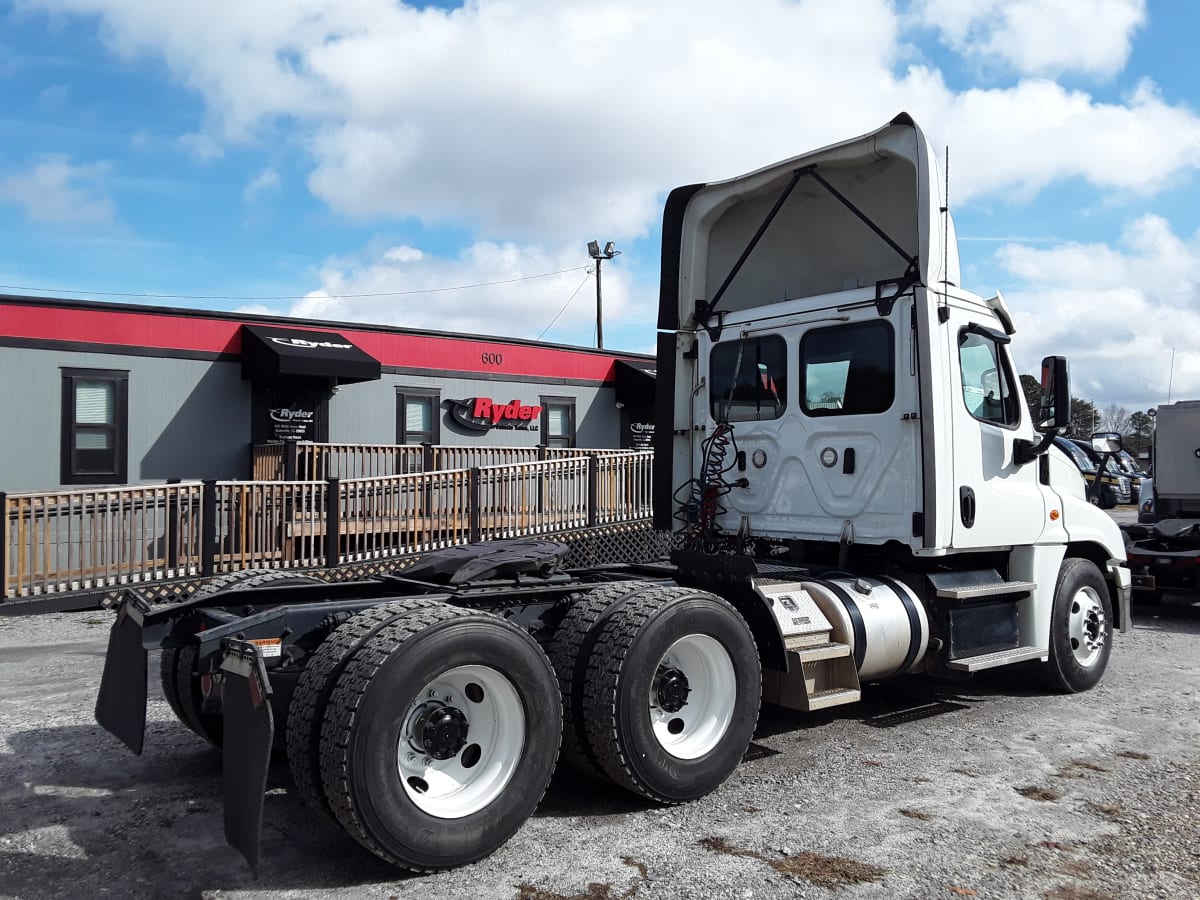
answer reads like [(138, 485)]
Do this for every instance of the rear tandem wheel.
[(440, 737), (181, 682), (672, 692)]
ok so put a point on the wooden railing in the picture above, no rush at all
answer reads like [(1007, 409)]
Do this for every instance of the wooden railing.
[(94, 539), (308, 461), (91, 539), (532, 498)]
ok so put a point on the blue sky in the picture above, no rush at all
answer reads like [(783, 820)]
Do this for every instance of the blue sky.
[(287, 155)]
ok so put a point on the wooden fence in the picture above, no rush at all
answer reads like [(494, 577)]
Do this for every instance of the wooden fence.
[(308, 461), (92, 539)]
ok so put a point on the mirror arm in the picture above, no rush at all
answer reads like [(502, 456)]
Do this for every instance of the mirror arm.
[(1025, 452)]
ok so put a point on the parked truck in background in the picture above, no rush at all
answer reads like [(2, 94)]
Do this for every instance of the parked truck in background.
[(856, 490), (1164, 554)]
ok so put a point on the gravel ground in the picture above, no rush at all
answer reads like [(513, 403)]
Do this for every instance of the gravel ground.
[(987, 788)]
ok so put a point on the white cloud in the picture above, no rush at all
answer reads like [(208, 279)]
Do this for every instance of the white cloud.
[(528, 121), (1039, 37), (1026, 137), (532, 126), (1115, 311), (492, 291), (265, 181), (54, 191)]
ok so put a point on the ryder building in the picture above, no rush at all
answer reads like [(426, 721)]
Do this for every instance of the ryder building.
[(101, 393)]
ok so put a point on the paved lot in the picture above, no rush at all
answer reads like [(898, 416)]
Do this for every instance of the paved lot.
[(987, 788)]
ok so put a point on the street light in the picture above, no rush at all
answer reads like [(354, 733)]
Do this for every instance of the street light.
[(610, 250)]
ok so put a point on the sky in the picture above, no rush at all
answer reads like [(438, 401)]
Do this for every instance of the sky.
[(444, 165)]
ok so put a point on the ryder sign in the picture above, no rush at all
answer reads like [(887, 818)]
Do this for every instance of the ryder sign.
[(485, 414)]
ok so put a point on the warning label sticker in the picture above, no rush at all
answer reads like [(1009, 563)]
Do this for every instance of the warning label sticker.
[(268, 647)]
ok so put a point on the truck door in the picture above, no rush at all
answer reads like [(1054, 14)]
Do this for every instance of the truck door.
[(996, 502)]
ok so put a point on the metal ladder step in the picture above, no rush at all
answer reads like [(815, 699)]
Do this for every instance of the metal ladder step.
[(999, 658), (833, 697), (814, 652), (987, 589)]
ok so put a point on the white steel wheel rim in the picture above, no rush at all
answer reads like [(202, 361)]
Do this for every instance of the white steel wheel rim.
[(1086, 627), (482, 768), (697, 727)]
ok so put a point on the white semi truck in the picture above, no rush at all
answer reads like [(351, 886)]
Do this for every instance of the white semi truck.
[(856, 489)]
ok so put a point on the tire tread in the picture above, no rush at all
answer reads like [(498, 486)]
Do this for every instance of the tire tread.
[(316, 684), (569, 650), (341, 712), (616, 640)]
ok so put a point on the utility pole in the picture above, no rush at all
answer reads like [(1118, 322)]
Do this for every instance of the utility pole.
[(599, 256)]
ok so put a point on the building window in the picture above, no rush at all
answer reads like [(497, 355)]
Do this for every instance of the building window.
[(748, 379), (417, 420), (986, 385), (558, 421), (848, 370), (95, 426)]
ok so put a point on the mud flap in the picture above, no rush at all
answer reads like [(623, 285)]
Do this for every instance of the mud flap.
[(246, 754), (121, 703)]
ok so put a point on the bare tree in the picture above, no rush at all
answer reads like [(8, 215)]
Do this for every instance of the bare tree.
[(1115, 418)]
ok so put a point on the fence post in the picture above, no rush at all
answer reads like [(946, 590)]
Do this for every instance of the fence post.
[(541, 480), (171, 531), (290, 452), (333, 520), (3, 546), (473, 530), (426, 456), (208, 528), (593, 488)]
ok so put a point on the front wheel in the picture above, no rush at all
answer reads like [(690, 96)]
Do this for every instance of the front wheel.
[(1080, 628), (672, 694)]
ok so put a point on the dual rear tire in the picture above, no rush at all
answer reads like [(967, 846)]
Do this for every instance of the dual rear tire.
[(429, 734), (184, 687), (661, 688)]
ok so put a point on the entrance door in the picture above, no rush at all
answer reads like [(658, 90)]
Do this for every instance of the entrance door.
[(289, 411)]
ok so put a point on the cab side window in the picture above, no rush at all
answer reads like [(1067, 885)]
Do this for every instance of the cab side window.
[(848, 370), (986, 384), (748, 379)]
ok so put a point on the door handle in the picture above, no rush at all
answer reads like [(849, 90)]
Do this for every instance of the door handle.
[(966, 506)]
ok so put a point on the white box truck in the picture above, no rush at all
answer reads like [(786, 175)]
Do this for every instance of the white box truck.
[(1165, 554)]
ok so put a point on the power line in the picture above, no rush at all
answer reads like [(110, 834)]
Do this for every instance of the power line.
[(461, 287), (568, 303)]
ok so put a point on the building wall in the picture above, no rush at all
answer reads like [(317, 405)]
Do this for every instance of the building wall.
[(191, 419), (187, 418), (366, 413)]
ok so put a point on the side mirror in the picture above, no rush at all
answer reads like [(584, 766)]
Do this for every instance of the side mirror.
[(1106, 442), (1055, 402), (1052, 413)]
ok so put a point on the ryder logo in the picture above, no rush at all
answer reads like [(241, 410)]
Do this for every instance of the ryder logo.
[(485, 414)]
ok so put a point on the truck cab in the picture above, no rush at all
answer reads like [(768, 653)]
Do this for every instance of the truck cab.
[(835, 396)]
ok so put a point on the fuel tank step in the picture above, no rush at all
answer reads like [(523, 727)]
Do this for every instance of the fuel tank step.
[(999, 658), (811, 653), (833, 697), (986, 589)]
